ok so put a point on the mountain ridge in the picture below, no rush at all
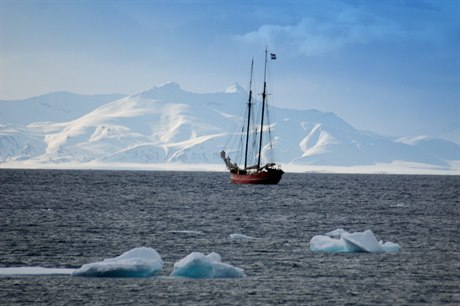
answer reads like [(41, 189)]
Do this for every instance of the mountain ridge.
[(166, 124)]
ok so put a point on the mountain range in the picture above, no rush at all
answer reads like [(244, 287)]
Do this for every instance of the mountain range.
[(169, 127)]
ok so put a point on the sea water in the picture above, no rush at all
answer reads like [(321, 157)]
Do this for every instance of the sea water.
[(61, 220)]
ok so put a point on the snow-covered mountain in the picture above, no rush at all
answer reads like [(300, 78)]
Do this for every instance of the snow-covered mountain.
[(53, 107), (166, 125)]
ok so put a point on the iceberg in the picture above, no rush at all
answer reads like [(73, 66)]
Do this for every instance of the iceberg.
[(326, 244), (138, 262), (362, 242), (341, 241), (198, 265)]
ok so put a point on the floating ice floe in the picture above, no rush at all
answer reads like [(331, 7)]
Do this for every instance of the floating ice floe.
[(23, 271), (138, 262), (341, 241), (240, 237), (198, 265)]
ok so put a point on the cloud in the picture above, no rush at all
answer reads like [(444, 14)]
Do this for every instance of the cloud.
[(318, 35)]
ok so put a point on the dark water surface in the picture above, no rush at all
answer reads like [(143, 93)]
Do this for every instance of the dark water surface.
[(64, 219)]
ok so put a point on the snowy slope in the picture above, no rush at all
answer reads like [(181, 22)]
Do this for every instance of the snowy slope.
[(156, 125), (166, 124), (53, 107)]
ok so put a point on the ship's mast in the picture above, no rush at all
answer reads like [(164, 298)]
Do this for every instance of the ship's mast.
[(249, 116), (264, 96)]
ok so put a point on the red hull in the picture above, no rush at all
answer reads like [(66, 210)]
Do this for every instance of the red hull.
[(271, 177)]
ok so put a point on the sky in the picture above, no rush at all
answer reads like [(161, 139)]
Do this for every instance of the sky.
[(390, 66)]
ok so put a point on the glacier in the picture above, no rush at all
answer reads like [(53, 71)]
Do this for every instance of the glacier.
[(341, 241), (198, 265), (138, 262)]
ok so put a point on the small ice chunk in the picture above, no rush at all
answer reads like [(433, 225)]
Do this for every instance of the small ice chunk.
[(225, 270), (324, 243), (138, 262), (336, 233), (341, 241), (214, 257), (198, 265), (363, 242), (194, 265), (390, 247), (240, 237)]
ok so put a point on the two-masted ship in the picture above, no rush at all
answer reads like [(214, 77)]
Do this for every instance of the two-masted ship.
[(268, 173)]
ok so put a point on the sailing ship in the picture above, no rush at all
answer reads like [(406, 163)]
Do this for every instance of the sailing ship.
[(269, 173)]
